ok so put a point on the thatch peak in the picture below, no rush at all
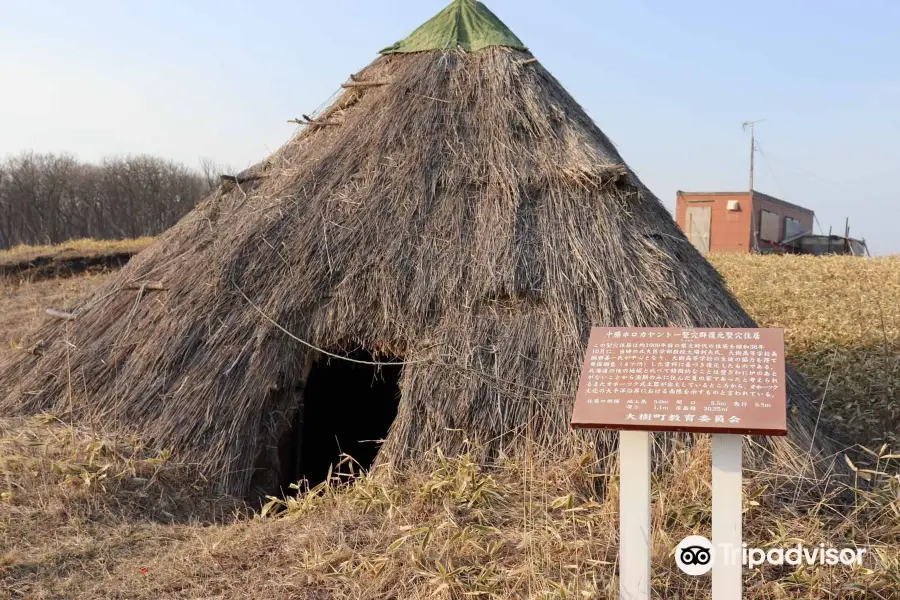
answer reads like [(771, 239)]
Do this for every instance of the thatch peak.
[(464, 24)]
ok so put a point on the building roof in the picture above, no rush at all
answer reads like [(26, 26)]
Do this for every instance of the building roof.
[(464, 24), (775, 200), (756, 194)]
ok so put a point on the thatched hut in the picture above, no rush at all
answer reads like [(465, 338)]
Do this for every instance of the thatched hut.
[(422, 262)]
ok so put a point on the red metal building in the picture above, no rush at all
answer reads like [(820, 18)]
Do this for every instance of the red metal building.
[(739, 222)]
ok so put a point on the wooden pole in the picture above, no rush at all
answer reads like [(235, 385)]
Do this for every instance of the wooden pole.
[(59, 314), (363, 84), (306, 121)]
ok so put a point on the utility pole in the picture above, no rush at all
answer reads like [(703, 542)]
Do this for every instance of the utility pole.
[(752, 126), (755, 225)]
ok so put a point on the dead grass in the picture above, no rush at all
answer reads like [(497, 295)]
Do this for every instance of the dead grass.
[(87, 520), (37, 263), (24, 298), (73, 506), (841, 318), (84, 518), (82, 247), (22, 305)]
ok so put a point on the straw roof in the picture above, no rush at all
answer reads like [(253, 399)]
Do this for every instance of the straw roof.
[(458, 209)]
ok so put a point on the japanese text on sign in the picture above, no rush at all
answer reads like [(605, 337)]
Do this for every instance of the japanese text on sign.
[(726, 380)]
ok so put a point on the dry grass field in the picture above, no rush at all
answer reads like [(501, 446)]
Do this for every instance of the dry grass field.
[(841, 318), (82, 517), (74, 258), (79, 248), (22, 304)]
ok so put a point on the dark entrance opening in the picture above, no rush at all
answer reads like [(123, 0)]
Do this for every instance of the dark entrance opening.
[(346, 408)]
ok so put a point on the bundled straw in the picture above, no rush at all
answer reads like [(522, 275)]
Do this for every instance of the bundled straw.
[(465, 214)]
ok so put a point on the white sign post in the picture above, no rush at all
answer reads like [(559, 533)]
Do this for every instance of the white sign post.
[(727, 511), (634, 515)]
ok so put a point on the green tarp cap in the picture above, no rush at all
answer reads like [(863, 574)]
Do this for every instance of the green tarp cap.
[(464, 24)]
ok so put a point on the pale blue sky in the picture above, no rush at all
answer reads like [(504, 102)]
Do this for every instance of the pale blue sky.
[(669, 82)]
